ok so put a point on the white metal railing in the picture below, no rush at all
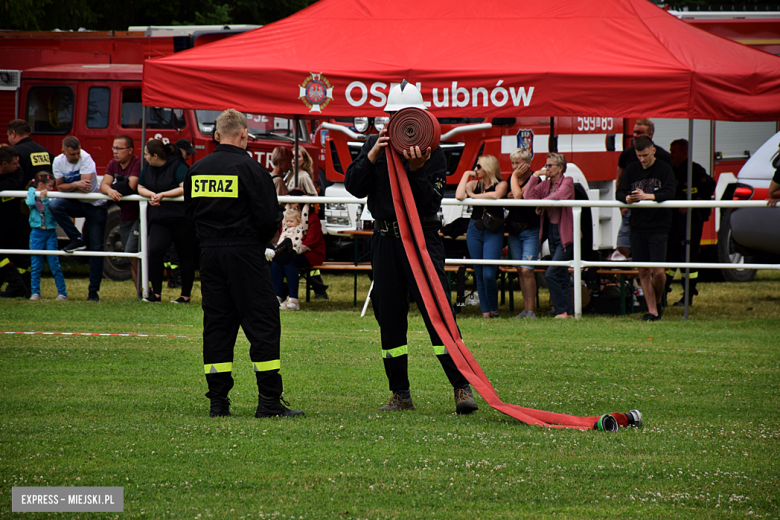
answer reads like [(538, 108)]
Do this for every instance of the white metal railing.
[(142, 254), (577, 264)]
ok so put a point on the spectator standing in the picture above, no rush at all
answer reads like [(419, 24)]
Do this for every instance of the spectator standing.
[(558, 223), (485, 234), (75, 172), (642, 127), (703, 189), (311, 251), (648, 179), (33, 158), (121, 179), (43, 236), (13, 225), (163, 178), (281, 158), (233, 204), (305, 182), (522, 227), (305, 174), (186, 149)]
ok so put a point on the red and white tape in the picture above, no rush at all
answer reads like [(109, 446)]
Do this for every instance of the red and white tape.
[(96, 334)]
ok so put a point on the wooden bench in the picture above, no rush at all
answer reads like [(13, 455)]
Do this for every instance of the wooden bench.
[(336, 266), (506, 274)]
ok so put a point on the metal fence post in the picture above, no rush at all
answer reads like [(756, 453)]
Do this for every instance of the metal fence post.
[(144, 255), (577, 263)]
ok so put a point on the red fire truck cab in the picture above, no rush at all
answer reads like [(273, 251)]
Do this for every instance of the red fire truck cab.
[(98, 102)]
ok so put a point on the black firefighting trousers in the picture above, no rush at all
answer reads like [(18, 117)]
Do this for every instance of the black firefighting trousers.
[(675, 245), (394, 283), (237, 290)]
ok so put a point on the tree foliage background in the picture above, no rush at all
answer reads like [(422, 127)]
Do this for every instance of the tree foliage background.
[(104, 15), (118, 15)]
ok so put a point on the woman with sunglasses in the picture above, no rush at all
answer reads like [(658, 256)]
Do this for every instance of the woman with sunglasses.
[(485, 235), (558, 225)]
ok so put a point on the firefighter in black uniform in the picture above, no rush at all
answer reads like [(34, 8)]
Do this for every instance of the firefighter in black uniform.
[(13, 223), (232, 203), (33, 158), (393, 278), (703, 189)]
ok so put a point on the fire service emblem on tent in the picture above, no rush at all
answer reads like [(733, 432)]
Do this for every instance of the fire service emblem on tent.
[(316, 92)]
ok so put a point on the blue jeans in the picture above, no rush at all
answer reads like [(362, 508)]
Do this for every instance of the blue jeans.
[(524, 246), (45, 240), (64, 210), (558, 277), (289, 271), (485, 245)]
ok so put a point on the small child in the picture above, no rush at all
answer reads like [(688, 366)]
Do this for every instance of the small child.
[(43, 236), (291, 240)]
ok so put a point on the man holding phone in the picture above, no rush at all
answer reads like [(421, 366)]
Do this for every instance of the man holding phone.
[(648, 179)]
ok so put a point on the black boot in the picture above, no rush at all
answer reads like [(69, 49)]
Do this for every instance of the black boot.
[(690, 294), (319, 287), (464, 401), (16, 287), (220, 407), (274, 407)]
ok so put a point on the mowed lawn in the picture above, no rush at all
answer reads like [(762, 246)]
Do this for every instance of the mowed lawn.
[(130, 411)]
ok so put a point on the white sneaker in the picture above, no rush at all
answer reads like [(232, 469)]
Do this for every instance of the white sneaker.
[(290, 305), (35, 297), (61, 298)]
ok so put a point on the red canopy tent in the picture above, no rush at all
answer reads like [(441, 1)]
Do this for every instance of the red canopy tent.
[(621, 58)]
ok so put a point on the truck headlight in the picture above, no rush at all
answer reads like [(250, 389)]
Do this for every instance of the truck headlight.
[(380, 123), (362, 124)]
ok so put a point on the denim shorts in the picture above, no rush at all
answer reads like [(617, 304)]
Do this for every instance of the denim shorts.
[(624, 233), (129, 231), (524, 246)]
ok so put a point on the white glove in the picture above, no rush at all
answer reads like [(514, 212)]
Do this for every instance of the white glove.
[(270, 254)]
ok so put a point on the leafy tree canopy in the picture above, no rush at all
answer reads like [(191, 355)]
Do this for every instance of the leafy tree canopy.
[(118, 15)]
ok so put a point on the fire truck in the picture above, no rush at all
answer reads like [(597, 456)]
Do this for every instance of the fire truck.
[(61, 88), (591, 145)]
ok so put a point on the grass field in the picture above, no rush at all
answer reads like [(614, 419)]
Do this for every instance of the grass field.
[(119, 411)]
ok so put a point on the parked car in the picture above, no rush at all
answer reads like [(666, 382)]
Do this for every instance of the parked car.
[(755, 232)]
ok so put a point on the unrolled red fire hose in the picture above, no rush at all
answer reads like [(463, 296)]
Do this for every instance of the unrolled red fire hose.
[(415, 127)]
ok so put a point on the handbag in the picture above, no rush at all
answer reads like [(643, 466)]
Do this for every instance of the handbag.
[(489, 222), (513, 227)]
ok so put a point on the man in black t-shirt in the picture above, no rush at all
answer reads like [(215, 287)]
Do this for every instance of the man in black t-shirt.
[(648, 179), (642, 127)]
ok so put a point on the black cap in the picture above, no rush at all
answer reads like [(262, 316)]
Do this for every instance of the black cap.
[(186, 145)]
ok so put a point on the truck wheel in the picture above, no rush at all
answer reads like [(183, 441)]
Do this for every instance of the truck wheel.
[(115, 268), (727, 254)]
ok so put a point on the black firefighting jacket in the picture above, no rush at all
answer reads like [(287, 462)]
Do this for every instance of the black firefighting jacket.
[(231, 199)]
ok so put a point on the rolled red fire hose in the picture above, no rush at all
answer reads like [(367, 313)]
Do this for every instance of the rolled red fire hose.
[(413, 127), (416, 127)]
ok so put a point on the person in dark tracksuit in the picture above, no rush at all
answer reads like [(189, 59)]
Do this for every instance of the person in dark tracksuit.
[(393, 278), (232, 202)]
